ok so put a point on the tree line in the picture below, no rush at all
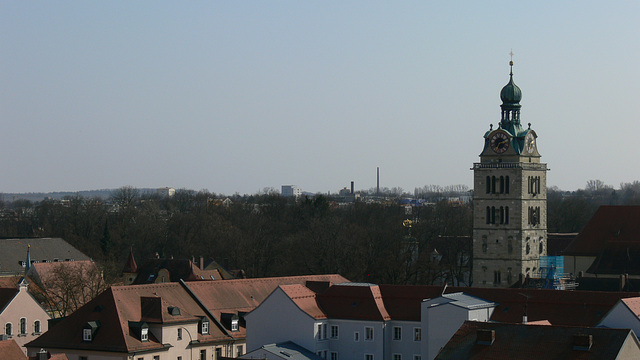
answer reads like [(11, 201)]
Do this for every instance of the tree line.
[(269, 235)]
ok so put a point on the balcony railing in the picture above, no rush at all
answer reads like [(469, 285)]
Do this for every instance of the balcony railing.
[(510, 165)]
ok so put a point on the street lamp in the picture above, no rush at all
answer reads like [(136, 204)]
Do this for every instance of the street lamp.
[(190, 341)]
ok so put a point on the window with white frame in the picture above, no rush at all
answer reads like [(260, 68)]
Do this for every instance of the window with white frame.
[(36, 327), (417, 334), (334, 331), (397, 333), (144, 334), (86, 334), (179, 333), (234, 325), (23, 326), (320, 332), (239, 350), (356, 336), (204, 327), (397, 356), (333, 355), (368, 333), (8, 329)]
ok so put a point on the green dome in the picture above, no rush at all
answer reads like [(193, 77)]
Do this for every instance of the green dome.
[(511, 93)]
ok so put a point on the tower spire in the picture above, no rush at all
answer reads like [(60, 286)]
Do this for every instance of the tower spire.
[(28, 264)]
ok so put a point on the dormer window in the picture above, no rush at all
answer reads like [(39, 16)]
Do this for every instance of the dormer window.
[(89, 330), (234, 325), (204, 326), (139, 330), (86, 335)]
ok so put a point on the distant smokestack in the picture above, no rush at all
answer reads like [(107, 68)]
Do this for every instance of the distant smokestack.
[(352, 187), (378, 186)]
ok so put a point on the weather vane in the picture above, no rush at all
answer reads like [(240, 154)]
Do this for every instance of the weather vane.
[(511, 62)]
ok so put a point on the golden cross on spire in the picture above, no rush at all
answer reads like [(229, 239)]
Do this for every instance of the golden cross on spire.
[(511, 54)]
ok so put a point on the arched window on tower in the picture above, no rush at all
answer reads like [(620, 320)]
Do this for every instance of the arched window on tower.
[(506, 215), (501, 214), (488, 185), (493, 184), (506, 184), (501, 184), (488, 215)]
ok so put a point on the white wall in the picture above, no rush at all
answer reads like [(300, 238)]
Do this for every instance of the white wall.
[(277, 319), (620, 317)]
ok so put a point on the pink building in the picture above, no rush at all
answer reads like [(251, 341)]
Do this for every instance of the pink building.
[(21, 317)]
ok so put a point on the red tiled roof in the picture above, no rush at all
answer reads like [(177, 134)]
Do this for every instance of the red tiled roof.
[(633, 304), (244, 295), (10, 350), (179, 269), (517, 341), (114, 308), (305, 299), (575, 308), (609, 225), (353, 301)]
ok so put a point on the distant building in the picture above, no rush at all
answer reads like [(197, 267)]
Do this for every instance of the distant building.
[(166, 191), (42, 250), (291, 190)]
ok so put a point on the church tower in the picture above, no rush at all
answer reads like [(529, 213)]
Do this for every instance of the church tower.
[(509, 199)]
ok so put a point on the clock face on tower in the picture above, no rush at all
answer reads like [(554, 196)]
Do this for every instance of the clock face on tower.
[(499, 142), (529, 143)]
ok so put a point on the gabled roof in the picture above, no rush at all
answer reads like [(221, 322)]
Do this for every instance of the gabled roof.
[(517, 341), (10, 350), (355, 301), (243, 295), (617, 226), (50, 249), (115, 308), (305, 299), (575, 308)]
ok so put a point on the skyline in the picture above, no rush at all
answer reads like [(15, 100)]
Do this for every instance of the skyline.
[(237, 97)]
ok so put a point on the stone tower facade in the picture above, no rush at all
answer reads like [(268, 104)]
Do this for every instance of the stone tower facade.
[(509, 199)]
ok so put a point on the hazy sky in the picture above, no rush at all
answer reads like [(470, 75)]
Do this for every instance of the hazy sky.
[(236, 96)]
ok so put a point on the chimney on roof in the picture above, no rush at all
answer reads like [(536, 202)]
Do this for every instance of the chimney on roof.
[(352, 187), (201, 263), (486, 336), (42, 355), (582, 342)]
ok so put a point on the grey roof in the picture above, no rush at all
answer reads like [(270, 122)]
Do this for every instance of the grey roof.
[(462, 300), (14, 251), (287, 350)]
